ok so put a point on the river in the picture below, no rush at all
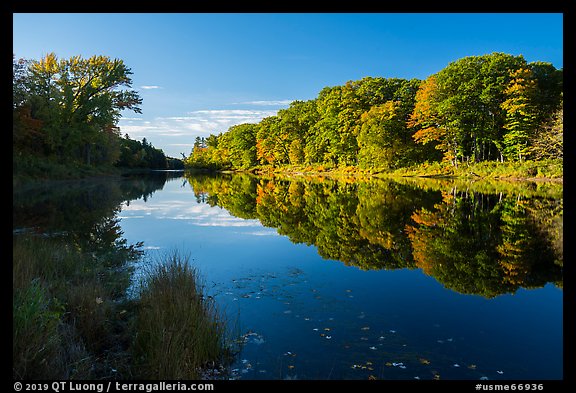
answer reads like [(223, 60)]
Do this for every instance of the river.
[(326, 279)]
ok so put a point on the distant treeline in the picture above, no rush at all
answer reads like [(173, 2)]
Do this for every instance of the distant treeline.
[(66, 111), (478, 108)]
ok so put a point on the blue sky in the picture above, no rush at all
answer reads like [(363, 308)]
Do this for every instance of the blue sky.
[(201, 73)]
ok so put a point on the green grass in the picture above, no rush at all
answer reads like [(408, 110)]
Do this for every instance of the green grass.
[(179, 331), (71, 321), (48, 320)]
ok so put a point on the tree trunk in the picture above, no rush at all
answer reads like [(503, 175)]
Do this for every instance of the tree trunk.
[(87, 152)]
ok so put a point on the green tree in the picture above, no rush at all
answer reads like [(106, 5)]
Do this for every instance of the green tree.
[(548, 142), (79, 102), (380, 139), (521, 114)]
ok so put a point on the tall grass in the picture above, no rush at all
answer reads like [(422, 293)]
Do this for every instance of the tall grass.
[(69, 321), (179, 331), (48, 339)]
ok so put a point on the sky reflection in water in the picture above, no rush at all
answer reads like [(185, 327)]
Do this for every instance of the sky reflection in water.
[(305, 317)]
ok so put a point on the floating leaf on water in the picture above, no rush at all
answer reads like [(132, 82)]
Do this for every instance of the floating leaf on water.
[(244, 361), (483, 378), (364, 338), (437, 377), (290, 367), (416, 377), (322, 335), (381, 338), (373, 348), (365, 328), (392, 331), (388, 364), (472, 367), (348, 290), (440, 341), (288, 312), (402, 366), (328, 337), (315, 329), (306, 319), (449, 339), (368, 363), (500, 372), (455, 365), (327, 329), (424, 361), (372, 377)]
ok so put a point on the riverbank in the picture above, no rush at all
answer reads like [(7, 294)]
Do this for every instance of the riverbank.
[(30, 169), (74, 319), (544, 171)]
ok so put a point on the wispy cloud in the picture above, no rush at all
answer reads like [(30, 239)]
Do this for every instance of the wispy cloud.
[(171, 132), (150, 87), (195, 123), (195, 214), (266, 103)]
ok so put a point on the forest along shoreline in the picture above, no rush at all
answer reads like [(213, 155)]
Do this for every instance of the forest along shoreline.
[(71, 315)]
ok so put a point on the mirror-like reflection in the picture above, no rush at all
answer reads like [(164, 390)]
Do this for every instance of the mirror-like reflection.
[(472, 242), (326, 279)]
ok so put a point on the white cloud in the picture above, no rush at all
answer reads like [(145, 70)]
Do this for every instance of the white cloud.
[(150, 87), (267, 102), (196, 214), (169, 132)]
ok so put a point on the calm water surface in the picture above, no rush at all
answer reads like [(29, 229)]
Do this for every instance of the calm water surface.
[(336, 280)]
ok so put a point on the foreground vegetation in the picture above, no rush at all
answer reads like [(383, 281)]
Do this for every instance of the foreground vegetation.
[(72, 318)]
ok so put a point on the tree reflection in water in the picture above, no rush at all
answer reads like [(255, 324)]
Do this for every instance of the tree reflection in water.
[(475, 242)]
